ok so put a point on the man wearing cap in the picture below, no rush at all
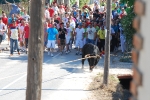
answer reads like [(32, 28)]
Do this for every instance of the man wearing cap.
[(79, 36)]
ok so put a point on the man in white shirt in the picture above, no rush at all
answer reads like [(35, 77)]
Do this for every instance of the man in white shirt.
[(56, 9), (14, 32), (47, 15), (68, 37), (91, 34), (2, 30), (26, 16), (65, 19), (79, 36)]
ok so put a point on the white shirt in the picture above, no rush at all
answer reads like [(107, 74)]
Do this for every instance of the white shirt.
[(72, 24), (2, 27), (65, 20), (47, 15), (26, 17), (91, 33), (69, 30), (102, 8), (14, 33), (79, 33), (56, 10)]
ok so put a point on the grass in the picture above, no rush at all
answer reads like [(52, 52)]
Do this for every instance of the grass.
[(113, 91)]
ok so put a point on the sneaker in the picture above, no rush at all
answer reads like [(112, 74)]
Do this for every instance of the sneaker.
[(48, 53), (52, 55)]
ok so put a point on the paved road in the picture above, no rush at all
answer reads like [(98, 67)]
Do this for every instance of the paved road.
[(61, 80), (58, 79)]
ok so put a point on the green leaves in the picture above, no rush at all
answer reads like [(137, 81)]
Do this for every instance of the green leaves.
[(127, 23), (81, 2)]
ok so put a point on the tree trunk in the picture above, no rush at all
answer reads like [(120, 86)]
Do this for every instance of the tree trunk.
[(35, 54), (107, 43)]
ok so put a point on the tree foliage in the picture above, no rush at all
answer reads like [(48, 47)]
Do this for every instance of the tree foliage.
[(127, 23), (81, 2)]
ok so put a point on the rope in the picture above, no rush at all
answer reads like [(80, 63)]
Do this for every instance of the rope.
[(86, 57)]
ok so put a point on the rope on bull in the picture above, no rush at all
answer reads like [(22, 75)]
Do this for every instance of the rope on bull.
[(86, 57)]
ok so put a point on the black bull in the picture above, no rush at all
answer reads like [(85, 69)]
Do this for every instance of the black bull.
[(90, 50)]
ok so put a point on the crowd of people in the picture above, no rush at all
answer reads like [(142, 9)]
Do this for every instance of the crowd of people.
[(66, 26)]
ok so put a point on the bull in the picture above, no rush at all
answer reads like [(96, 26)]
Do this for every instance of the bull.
[(92, 52)]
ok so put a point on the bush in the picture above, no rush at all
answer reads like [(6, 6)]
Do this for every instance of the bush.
[(127, 23)]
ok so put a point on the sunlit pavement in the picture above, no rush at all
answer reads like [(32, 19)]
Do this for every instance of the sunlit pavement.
[(61, 80)]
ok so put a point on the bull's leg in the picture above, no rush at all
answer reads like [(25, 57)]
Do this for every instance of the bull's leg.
[(91, 63), (83, 63), (83, 56)]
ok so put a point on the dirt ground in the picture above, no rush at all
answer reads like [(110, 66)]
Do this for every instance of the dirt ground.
[(113, 91)]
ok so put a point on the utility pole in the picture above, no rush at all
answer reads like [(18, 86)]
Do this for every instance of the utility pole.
[(35, 54), (107, 42)]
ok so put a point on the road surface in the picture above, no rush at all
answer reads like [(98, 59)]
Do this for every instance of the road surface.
[(60, 80)]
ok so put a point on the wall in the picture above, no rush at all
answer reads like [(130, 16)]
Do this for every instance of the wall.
[(144, 57), (140, 86)]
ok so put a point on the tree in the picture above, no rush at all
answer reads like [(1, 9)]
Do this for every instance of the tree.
[(35, 55), (82, 2), (127, 23)]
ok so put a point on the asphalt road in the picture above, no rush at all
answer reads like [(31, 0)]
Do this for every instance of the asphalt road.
[(58, 79)]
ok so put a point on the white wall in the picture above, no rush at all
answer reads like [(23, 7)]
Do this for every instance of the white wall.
[(144, 59)]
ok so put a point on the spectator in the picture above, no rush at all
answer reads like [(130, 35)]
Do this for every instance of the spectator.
[(26, 16), (16, 8), (91, 34), (47, 14), (51, 11), (52, 36), (76, 5), (62, 32), (2, 30), (101, 39), (79, 36), (14, 33), (55, 8)]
